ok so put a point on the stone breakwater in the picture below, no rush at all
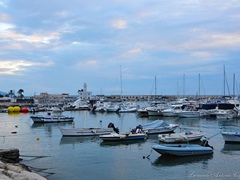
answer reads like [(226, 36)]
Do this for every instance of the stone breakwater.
[(15, 171)]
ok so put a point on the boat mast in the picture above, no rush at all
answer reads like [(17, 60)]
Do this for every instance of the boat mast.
[(121, 80), (199, 84), (233, 85), (183, 85), (155, 88), (224, 76)]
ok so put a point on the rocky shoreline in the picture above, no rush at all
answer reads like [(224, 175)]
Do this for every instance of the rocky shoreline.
[(16, 171)]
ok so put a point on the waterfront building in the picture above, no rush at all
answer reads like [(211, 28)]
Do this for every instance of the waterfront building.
[(83, 94)]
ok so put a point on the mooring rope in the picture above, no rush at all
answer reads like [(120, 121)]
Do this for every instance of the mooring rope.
[(148, 155)]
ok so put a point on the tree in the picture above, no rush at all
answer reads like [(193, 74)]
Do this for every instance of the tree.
[(11, 93), (20, 93)]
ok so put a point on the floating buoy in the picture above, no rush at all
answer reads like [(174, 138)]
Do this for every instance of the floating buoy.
[(24, 110), (38, 138), (16, 109), (10, 109), (16, 125)]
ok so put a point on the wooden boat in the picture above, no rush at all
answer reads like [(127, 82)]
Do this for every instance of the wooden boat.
[(231, 137), (158, 127), (181, 137), (183, 149), (95, 131), (51, 119)]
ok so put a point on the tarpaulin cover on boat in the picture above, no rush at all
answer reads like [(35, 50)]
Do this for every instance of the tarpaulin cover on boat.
[(155, 124)]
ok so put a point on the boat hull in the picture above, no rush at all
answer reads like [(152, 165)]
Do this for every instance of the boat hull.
[(189, 114), (85, 131), (123, 137), (154, 112), (180, 137), (231, 137), (160, 130), (43, 119), (182, 150)]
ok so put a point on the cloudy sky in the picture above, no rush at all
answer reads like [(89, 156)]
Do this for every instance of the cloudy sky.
[(119, 46)]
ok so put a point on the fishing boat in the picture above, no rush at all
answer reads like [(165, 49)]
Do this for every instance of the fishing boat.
[(94, 131), (181, 137), (158, 127), (231, 137), (183, 149), (51, 119)]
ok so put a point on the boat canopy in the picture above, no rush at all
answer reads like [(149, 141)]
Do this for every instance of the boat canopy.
[(155, 124)]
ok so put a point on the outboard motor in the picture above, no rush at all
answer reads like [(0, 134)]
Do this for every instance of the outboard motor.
[(205, 143), (111, 125), (137, 129), (94, 108), (118, 109)]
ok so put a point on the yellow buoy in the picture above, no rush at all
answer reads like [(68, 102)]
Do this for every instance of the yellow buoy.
[(10, 109), (38, 138), (16, 109)]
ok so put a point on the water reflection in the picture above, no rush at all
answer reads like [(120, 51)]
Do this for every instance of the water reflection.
[(77, 140), (174, 161), (230, 148), (61, 124), (119, 143)]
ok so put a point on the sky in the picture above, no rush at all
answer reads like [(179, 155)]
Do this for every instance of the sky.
[(137, 47)]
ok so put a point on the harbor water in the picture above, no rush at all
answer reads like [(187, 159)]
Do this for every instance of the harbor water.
[(46, 152)]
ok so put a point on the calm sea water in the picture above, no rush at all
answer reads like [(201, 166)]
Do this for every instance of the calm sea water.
[(46, 152)]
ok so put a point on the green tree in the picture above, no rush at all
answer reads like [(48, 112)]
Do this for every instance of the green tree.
[(20, 93), (11, 93)]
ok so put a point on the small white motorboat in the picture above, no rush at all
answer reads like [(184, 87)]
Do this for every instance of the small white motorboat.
[(180, 137), (231, 137), (184, 149), (95, 131), (51, 118), (158, 127), (123, 136), (135, 134), (142, 112)]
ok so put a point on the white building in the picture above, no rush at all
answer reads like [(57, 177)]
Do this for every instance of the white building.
[(83, 94)]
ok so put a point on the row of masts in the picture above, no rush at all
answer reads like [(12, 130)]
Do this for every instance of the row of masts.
[(199, 84)]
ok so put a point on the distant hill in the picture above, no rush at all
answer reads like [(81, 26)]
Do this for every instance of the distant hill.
[(3, 93)]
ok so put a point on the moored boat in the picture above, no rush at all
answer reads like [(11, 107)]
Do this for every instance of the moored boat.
[(231, 137), (181, 137), (51, 119), (123, 136), (158, 127), (142, 112), (183, 149), (95, 131)]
